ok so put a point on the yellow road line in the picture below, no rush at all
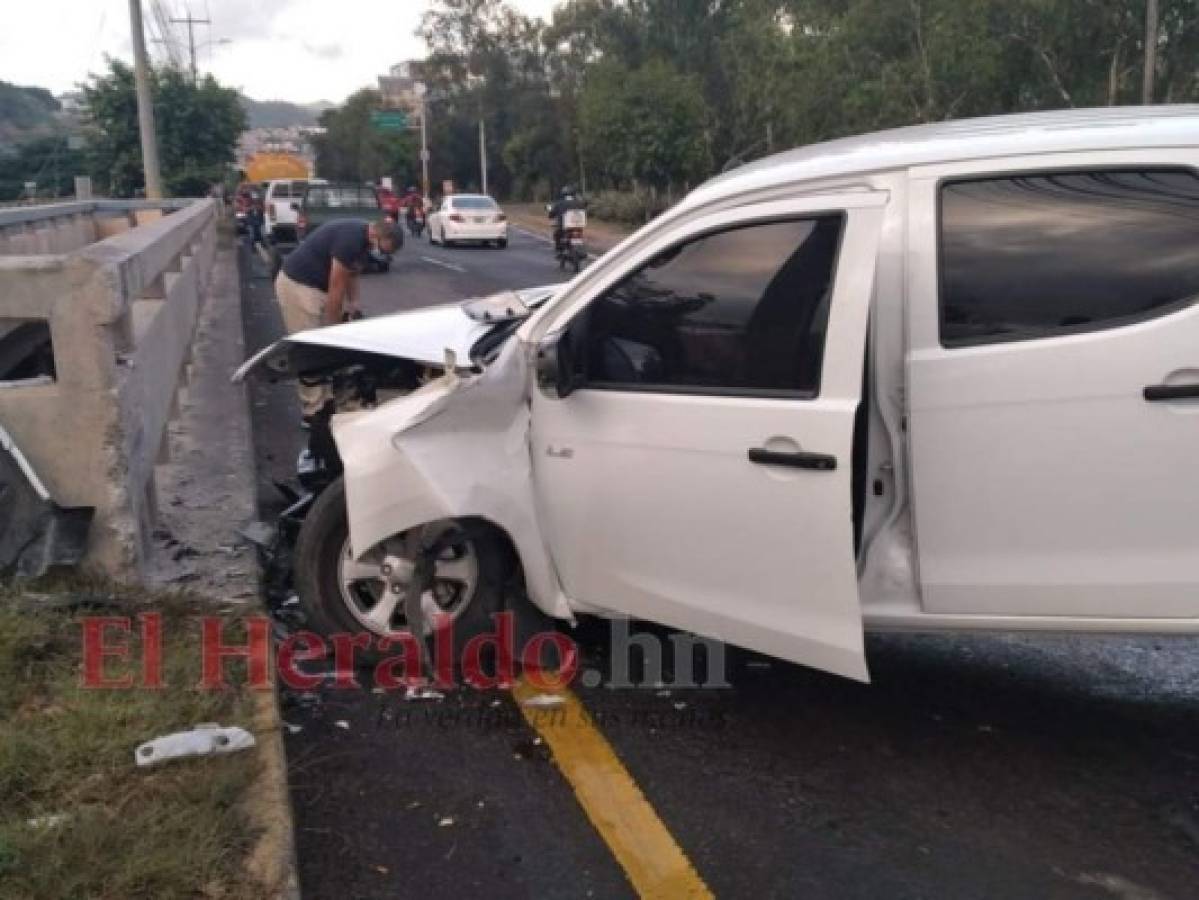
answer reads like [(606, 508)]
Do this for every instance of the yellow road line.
[(654, 863)]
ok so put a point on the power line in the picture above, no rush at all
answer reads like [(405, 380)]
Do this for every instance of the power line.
[(190, 21)]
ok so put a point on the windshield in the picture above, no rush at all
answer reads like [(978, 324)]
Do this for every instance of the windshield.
[(341, 197)]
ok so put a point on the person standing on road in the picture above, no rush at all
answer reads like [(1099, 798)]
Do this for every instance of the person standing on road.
[(318, 284)]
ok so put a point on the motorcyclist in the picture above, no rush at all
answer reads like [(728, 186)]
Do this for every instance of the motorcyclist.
[(568, 199)]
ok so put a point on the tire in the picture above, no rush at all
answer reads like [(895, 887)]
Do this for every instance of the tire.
[(318, 575), (502, 243)]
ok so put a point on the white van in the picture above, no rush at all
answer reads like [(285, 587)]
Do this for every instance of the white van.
[(939, 378)]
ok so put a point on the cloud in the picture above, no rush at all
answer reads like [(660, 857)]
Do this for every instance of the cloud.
[(299, 50), (325, 51)]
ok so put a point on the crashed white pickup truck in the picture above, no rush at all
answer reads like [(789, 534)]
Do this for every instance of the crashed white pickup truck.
[(938, 378)]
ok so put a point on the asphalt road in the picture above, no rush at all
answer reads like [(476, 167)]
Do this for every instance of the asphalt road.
[(972, 766)]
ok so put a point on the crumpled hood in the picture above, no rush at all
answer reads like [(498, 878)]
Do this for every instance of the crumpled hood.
[(421, 335)]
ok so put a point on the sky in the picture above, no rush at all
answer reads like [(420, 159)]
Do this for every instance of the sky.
[(297, 50)]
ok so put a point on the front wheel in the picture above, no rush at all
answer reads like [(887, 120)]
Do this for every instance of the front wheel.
[(340, 594)]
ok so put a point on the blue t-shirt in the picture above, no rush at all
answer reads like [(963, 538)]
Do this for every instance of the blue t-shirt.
[(345, 240)]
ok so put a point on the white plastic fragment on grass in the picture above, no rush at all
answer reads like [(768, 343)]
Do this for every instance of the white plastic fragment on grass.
[(208, 739), (52, 821)]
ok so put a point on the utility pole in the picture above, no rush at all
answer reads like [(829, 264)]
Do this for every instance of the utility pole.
[(191, 36), (145, 104), (483, 153), (1150, 51)]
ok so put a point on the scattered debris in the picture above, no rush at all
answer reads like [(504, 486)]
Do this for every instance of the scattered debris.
[(662, 694), (445, 822), (541, 701), (342, 724), (206, 739), (382, 870), (259, 534), (680, 706), (293, 729), (757, 664), (422, 692)]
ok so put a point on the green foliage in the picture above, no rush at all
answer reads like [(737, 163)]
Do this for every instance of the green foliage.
[(25, 112), (50, 162), (644, 126), (198, 126), (353, 149), (615, 83)]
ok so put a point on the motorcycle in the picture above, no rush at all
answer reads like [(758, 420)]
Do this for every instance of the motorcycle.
[(571, 247), (416, 221)]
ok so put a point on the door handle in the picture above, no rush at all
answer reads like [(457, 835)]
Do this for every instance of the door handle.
[(1155, 393), (821, 462)]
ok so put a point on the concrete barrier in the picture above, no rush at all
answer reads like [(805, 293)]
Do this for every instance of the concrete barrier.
[(121, 309)]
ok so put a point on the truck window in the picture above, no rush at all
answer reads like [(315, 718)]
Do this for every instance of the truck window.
[(741, 311), (1040, 255)]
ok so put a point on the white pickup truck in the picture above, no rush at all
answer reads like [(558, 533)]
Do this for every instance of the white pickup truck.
[(940, 378)]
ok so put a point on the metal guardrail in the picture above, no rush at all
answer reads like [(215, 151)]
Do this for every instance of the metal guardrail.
[(23, 215)]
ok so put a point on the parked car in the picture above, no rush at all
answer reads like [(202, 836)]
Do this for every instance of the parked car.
[(944, 378), (323, 202), (468, 217)]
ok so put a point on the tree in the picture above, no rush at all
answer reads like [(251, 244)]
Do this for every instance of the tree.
[(353, 148), (644, 127), (198, 127)]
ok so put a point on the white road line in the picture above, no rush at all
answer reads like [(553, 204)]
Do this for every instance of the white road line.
[(534, 235), (444, 265)]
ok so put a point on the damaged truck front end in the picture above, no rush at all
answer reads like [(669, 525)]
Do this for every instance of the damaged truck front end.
[(426, 433)]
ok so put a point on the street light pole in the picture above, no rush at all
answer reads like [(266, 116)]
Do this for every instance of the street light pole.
[(483, 153), (145, 104)]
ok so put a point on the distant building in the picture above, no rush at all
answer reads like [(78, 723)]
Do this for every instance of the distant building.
[(401, 89)]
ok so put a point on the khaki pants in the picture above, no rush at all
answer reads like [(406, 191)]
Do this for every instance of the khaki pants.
[(303, 308)]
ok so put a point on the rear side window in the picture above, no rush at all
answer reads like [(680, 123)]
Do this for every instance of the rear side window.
[(474, 203), (1035, 256), (281, 191)]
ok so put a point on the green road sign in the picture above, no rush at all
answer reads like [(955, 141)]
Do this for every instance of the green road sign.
[(389, 120)]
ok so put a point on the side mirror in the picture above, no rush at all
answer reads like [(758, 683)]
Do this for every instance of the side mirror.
[(548, 208), (556, 373)]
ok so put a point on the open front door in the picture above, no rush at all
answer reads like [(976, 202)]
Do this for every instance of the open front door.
[(700, 476)]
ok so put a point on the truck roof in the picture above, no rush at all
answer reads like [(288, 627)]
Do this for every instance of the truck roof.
[(1106, 128)]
